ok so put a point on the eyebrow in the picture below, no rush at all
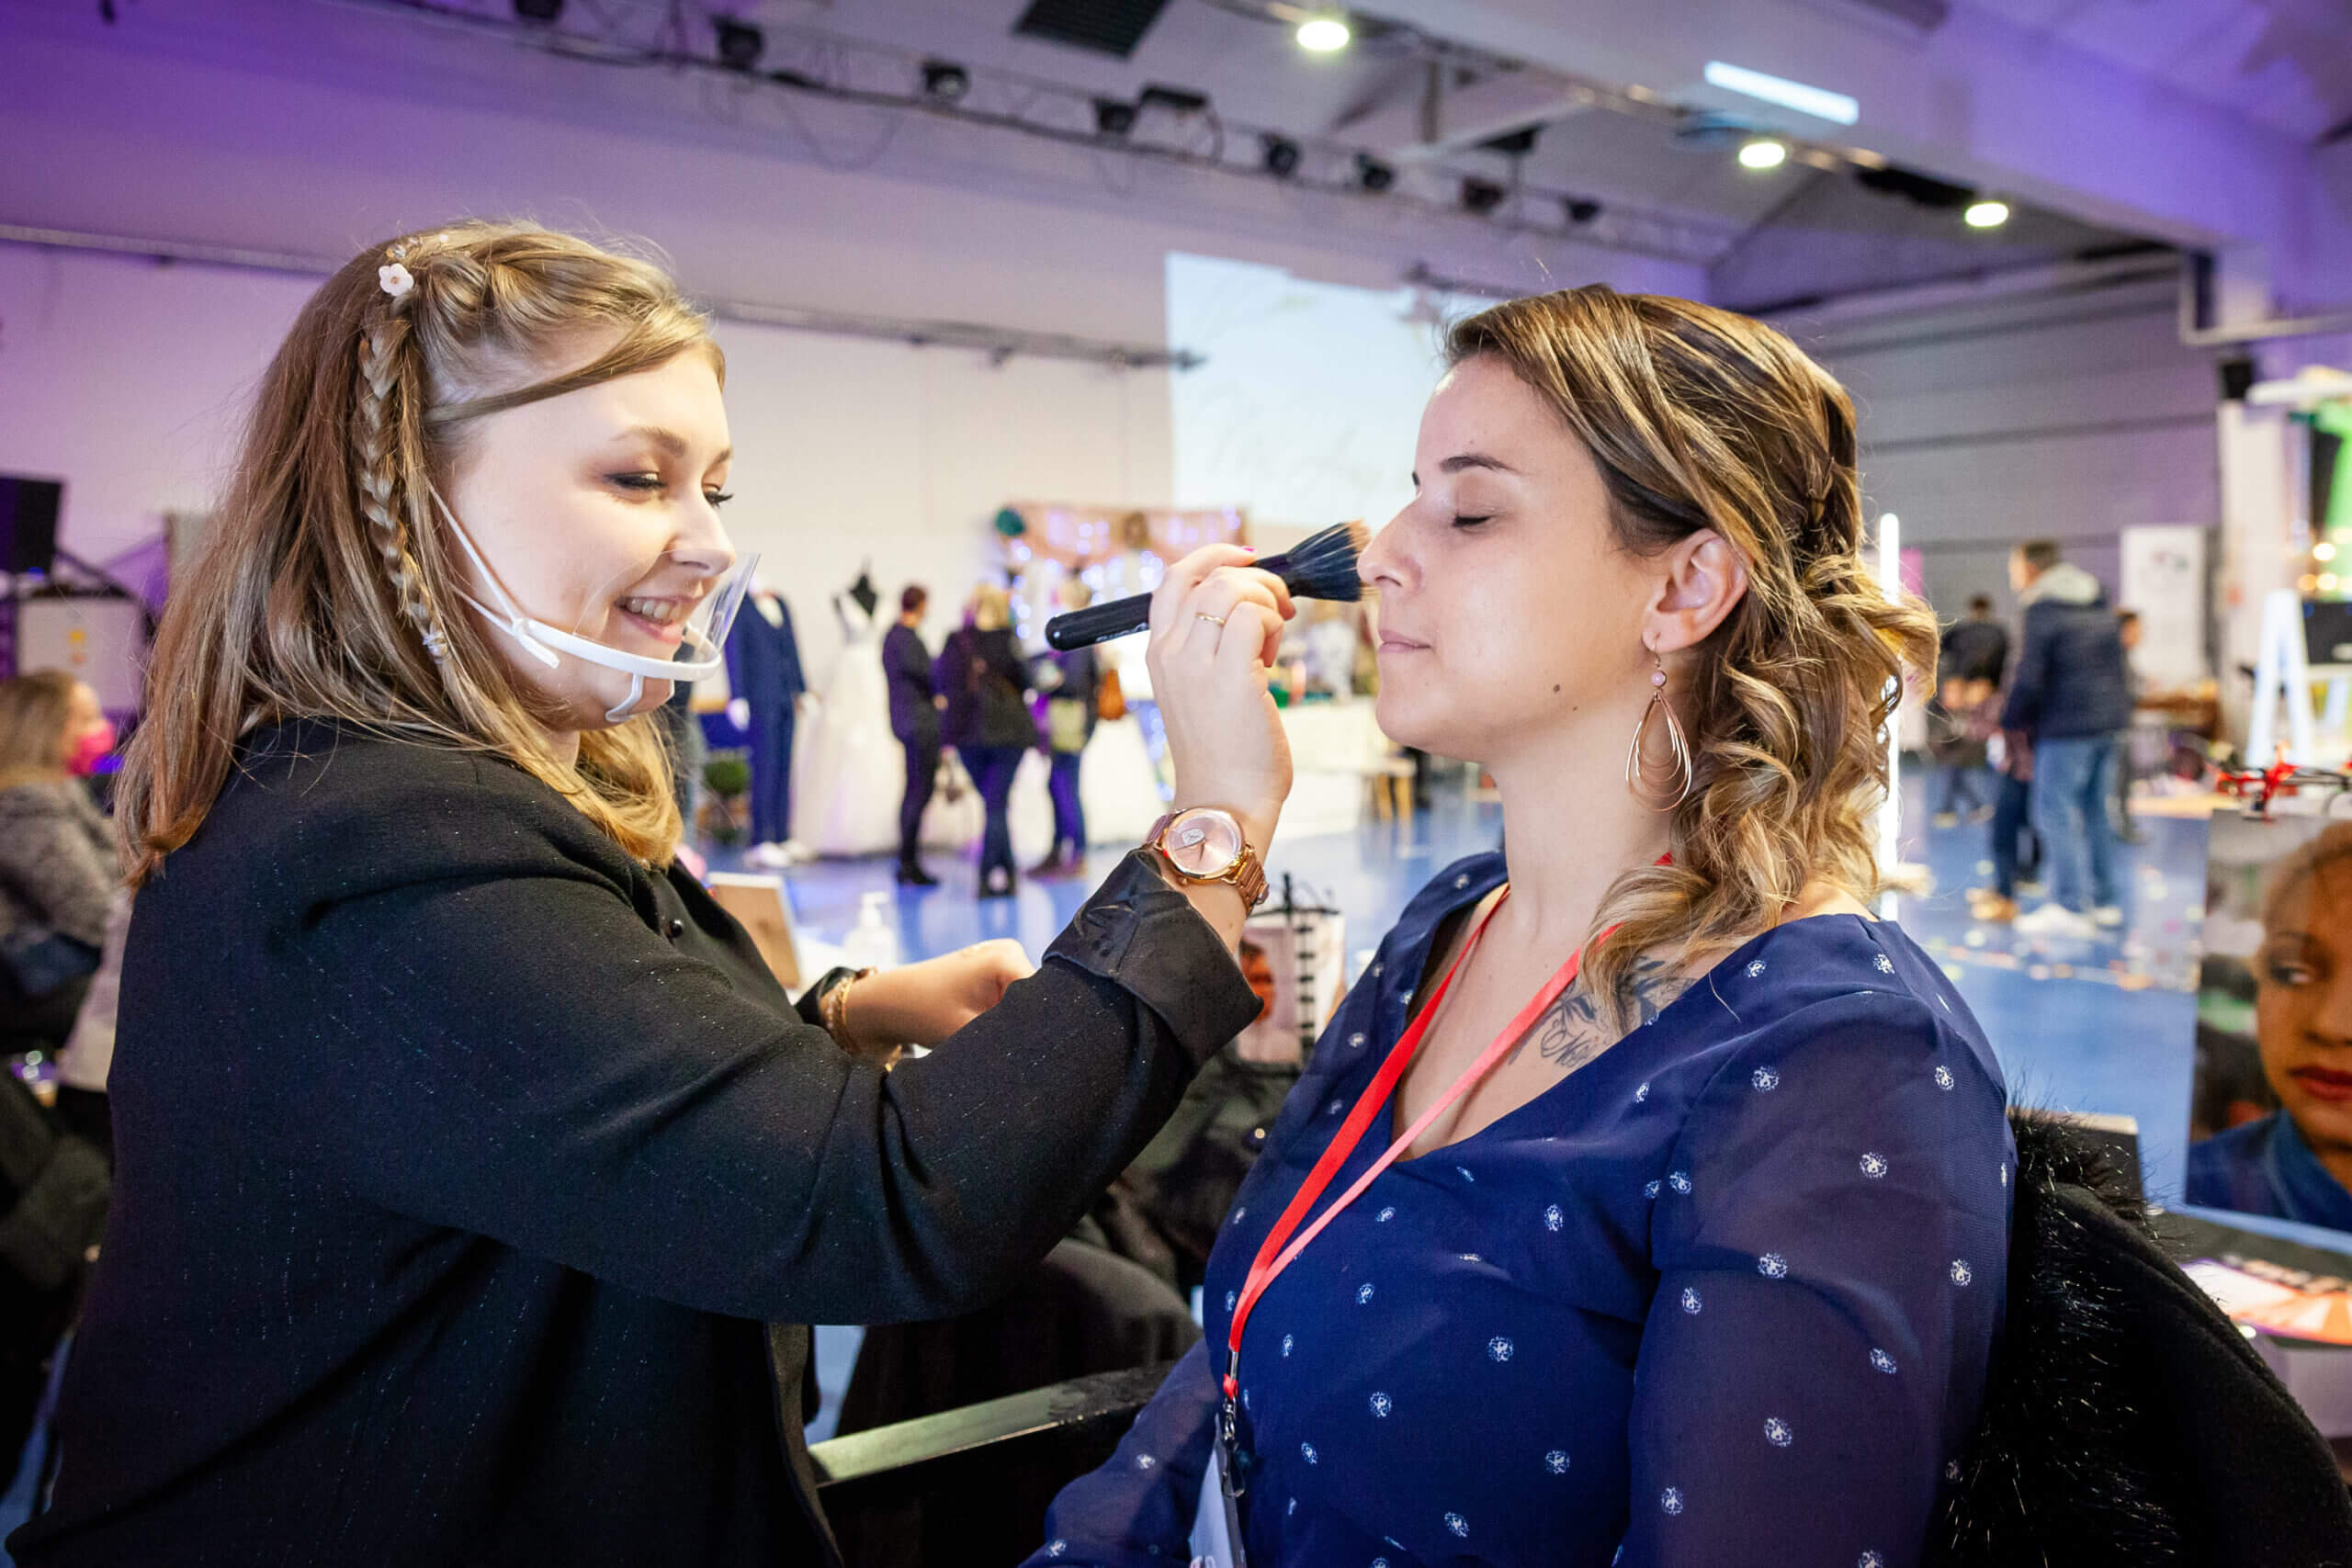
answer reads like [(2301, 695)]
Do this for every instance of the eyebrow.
[(1462, 460), (670, 441)]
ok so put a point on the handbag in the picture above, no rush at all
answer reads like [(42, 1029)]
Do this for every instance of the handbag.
[(1067, 725), (1110, 700)]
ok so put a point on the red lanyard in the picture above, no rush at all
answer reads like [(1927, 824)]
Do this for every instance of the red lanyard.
[(1277, 1252)]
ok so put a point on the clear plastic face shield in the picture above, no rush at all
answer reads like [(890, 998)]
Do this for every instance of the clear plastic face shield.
[(663, 620)]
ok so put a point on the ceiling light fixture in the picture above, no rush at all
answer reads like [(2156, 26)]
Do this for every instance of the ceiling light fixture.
[(1113, 118), (1325, 34), (739, 43), (1763, 153), (1481, 197), (1986, 214), (1281, 155), (1372, 174), (1818, 102), (1580, 210), (945, 81)]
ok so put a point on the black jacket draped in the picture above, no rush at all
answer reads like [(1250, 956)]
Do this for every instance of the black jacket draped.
[(474, 1180)]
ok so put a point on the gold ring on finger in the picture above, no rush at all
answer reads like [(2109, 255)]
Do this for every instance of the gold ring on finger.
[(1213, 620)]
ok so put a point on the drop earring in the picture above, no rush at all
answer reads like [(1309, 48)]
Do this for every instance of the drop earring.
[(1638, 771)]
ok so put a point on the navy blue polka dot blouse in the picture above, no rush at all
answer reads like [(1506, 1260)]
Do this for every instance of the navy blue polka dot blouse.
[(1725, 1293)]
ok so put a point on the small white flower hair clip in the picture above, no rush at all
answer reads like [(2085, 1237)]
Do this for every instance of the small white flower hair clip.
[(394, 279)]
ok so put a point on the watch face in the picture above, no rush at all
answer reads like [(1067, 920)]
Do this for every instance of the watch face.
[(1204, 843)]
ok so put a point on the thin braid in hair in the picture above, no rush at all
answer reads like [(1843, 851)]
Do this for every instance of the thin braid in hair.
[(385, 445)]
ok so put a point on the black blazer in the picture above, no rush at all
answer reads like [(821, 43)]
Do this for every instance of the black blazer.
[(906, 665), (474, 1180)]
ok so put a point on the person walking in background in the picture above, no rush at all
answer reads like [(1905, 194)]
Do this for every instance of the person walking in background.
[(914, 719), (2127, 625), (1072, 682), (2012, 832), (2072, 693), (981, 672), (1970, 662)]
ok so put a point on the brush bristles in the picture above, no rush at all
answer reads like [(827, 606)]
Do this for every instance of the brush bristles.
[(1324, 567)]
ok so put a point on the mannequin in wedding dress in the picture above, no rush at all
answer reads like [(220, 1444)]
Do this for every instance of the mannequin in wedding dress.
[(849, 772)]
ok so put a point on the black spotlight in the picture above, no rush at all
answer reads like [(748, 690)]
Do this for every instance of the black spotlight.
[(1281, 155), (1372, 174), (945, 81), (739, 43), (1580, 210), (1113, 118), (538, 10), (1481, 197)]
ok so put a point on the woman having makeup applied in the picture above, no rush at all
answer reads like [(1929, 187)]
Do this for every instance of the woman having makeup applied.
[(1647, 1201)]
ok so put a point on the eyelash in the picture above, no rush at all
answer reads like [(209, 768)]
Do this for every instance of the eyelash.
[(647, 483), (1461, 521)]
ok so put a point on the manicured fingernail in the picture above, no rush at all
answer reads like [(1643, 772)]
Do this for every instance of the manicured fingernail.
[(1251, 549)]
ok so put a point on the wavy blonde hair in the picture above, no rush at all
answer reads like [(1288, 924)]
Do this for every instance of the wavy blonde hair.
[(1700, 419), (325, 587)]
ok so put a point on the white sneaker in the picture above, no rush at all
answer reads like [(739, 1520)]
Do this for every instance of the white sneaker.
[(2056, 920), (2108, 915)]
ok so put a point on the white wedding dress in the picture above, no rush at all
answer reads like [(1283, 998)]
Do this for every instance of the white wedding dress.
[(847, 770)]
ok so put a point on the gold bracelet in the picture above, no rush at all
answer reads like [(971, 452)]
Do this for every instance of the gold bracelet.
[(833, 1008)]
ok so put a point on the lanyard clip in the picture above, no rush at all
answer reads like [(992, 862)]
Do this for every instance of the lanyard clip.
[(1228, 1434)]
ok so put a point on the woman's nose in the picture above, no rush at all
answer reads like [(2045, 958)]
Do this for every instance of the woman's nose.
[(1381, 566), (703, 546)]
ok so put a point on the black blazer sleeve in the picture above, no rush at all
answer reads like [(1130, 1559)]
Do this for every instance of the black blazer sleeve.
[(492, 1034)]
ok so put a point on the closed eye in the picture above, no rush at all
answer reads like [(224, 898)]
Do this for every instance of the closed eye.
[(1460, 520), (718, 498)]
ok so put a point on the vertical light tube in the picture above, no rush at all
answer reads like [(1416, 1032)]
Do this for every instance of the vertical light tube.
[(1890, 816)]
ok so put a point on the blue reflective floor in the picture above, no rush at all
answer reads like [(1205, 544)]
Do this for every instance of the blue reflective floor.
[(2103, 1026)]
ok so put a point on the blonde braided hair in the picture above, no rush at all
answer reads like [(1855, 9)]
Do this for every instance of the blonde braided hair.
[(389, 447), (319, 587)]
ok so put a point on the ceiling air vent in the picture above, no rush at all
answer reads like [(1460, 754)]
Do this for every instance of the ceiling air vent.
[(1106, 27)]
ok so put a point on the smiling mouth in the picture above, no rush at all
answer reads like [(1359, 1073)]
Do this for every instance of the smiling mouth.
[(662, 619)]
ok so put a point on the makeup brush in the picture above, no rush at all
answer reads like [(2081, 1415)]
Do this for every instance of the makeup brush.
[(1323, 567)]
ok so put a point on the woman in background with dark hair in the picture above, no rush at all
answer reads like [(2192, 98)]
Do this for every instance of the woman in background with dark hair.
[(914, 719)]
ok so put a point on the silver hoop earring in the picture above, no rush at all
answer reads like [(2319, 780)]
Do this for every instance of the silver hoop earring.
[(1638, 771)]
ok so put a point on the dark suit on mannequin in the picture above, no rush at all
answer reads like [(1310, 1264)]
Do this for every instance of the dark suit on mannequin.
[(763, 670)]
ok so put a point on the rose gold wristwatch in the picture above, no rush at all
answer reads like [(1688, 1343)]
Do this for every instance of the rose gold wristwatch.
[(1205, 844)]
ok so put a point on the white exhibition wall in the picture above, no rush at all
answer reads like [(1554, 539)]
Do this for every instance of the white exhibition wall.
[(2071, 415)]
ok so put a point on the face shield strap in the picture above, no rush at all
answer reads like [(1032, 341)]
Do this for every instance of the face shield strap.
[(546, 643)]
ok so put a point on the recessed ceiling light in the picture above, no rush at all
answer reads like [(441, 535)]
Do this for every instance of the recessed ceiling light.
[(1324, 34), (1764, 154), (1987, 214)]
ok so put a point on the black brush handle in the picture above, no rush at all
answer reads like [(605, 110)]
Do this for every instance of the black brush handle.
[(1098, 623)]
